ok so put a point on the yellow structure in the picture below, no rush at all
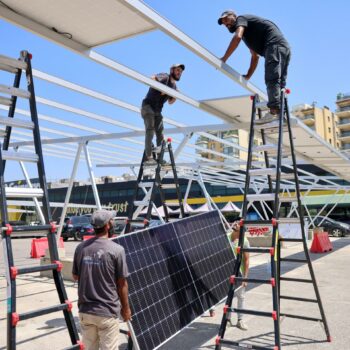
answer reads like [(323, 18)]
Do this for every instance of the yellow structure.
[(238, 137), (343, 123), (321, 120)]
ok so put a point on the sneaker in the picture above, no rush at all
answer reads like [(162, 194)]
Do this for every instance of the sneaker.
[(150, 162), (241, 325), (267, 118)]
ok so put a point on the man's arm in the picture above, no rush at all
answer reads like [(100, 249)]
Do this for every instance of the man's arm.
[(75, 277), (246, 267), (253, 64), (122, 290), (234, 43), (171, 100)]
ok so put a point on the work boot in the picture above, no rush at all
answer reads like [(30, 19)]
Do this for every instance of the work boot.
[(150, 162), (267, 118), (241, 325)]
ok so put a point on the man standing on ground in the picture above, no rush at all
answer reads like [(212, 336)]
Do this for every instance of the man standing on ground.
[(263, 38), (244, 271), (152, 106), (100, 268)]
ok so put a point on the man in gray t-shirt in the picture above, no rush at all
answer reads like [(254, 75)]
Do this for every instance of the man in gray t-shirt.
[(100, 268), (263, 38)]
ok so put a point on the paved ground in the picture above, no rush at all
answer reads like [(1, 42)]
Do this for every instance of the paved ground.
[(332, 271)]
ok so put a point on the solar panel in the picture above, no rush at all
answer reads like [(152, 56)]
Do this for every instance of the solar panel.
[(177, 272)]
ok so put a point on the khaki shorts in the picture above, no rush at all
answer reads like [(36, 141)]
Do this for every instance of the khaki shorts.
[(99, 332)]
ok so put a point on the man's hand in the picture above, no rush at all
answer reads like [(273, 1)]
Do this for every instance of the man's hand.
[(244, 284), (223, 59), (246, 76), (126, 313)]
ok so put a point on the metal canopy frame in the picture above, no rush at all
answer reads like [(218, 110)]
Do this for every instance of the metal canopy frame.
[(105, 146)]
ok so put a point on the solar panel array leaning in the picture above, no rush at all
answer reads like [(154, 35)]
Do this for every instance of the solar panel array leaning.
[(177, 272)]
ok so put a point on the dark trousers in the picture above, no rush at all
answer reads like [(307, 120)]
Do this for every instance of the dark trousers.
[(153, 124), (276, 68)]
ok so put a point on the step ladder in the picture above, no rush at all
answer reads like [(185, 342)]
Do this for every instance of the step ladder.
[(47, 227), (274, 177), (150, 188)]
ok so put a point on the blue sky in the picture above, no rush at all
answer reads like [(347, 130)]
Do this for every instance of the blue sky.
[(319, 68)]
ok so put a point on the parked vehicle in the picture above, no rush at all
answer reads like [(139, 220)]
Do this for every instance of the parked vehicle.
[(77, 227), (334, 228)]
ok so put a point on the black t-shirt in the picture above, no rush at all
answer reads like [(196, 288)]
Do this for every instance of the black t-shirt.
[(259, 33), (154, 97)]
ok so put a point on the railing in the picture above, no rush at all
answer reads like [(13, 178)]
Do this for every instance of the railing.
[(343, 96), (345, 134), (308, 117), (342, 109), (343, 121)]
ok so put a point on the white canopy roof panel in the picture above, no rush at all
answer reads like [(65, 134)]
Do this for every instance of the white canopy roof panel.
[(89, 22), (308, 145)]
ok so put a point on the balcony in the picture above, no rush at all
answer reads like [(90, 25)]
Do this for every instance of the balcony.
[(204, 146), (343, 124), (308, 119), (344, 136), (343, 111), (345, 147)]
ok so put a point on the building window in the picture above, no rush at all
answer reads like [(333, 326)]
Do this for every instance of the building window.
[(337, 144), (329, 119), (329, 130), (330, 141)]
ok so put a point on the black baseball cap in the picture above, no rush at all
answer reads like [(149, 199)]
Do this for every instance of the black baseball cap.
[(225, 14)]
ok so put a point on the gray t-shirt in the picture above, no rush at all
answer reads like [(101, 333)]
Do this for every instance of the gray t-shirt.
[(99, 262), (259, 33), (154, 98)]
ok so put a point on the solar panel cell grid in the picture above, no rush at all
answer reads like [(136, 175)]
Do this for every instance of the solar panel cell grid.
[(177, 272)]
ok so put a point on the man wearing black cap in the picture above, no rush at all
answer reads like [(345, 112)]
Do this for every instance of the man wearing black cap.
[(100, 268), (263, 38), (152, 106)]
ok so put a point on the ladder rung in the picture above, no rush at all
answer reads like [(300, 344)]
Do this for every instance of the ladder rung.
[(18, 192), (12, 62), (262, 106), (257, 250), (146, 184), (246, 346), (288, 199), (40, 268), (10, 90), (16, 123), (141, 203), (293, 260), (168, 186), (265, 148), (5, 101), (290, 279), (254, 280), (43, 311), (307, 300), (252, 312), (20, 156), (291, 239), (302, 317), (30, 228), (264, 223)]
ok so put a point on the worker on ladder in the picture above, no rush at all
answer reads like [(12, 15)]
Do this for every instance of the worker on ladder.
[(152, 106), (263, 38)]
